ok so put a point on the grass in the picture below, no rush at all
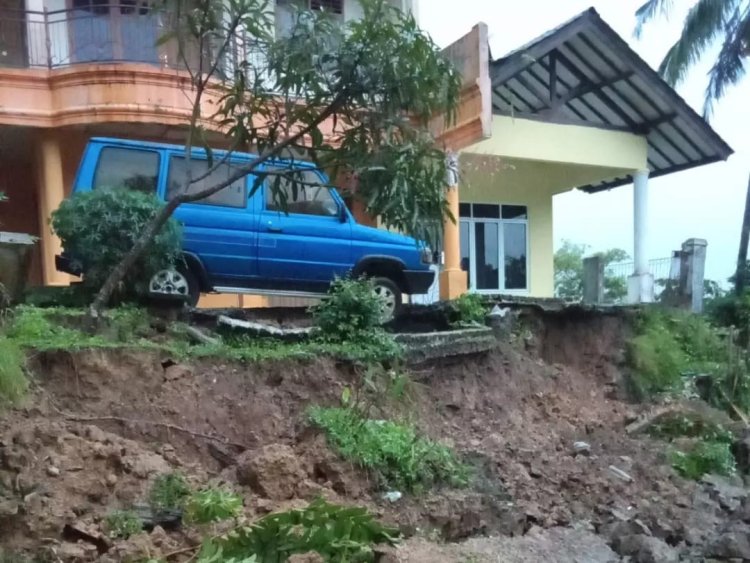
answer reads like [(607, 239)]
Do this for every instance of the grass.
[(123, 524), (212, 505), (395, 453), (13, 382), (668, 345), (690, 425), (705, 457), (170, 491)]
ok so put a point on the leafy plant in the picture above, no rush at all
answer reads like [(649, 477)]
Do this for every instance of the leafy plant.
[(394, 452), (169, 492), (468, 309), (123, 524), (351, 308), (13, 382), (98, 228), (337, 533), (682, 424), (212, 505), (705, 457)]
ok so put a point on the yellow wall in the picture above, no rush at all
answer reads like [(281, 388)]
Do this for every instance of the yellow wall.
[(568, 144)]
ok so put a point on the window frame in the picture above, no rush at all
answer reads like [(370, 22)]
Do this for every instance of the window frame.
[(158, 154), (323, 184), (472, 221), (193, 158)]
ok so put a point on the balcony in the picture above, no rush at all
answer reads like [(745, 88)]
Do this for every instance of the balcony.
[(98, 31)]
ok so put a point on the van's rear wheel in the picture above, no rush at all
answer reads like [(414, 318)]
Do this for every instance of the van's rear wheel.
[(178, 283), (390, 296)]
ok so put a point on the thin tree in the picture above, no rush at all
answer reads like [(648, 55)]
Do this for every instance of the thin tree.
[(357, 97), (709, 22)]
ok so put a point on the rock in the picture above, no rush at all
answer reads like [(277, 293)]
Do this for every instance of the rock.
[(619, 474), (71, 552), (581, 448), (159, 537), (273, 471), (385, 554), (177, 371), (53, 471), (726, 492), (96, 434), (654, 550), (8, 508), (625, 528), (741, 451), (311, 557), (729, 545), (111, 480)]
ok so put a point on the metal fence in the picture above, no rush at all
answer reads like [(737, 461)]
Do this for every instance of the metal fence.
[(659, 268), (111, 32)]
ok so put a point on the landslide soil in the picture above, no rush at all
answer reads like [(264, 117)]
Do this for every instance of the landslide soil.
[(100, 425)]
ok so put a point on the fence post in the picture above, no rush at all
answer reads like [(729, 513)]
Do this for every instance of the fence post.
[(593, 280), (692, 272)]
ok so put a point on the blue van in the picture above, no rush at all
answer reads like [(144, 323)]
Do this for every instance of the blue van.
[(236, 243)]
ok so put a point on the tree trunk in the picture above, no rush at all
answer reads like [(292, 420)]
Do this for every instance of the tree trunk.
[(740, 276)]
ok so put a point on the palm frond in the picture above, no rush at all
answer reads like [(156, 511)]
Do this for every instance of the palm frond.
[(704, 23), (648, 11), (729, 67)]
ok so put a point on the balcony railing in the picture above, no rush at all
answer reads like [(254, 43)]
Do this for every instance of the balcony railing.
[(106, 32)]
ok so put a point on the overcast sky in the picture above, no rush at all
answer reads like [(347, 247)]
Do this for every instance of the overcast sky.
[(705, 202)]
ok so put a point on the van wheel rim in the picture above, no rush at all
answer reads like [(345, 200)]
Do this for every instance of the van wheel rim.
[(169, 282), (387, 299)]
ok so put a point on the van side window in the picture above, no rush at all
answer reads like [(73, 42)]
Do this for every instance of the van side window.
[(133, 169), (311, 198), (234, 195)]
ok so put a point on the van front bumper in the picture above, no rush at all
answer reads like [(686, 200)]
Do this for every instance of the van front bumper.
[(418, 281)]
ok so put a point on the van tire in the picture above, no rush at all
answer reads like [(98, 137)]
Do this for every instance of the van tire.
[(392, 296), (194, 286)]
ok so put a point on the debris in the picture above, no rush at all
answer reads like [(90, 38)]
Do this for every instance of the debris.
[(222, 454), (53, 471), (260, 329), (198, 335), (392, 496), (582, 448), (620, 474)]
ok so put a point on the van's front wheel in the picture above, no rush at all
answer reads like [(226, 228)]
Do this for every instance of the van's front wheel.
[(390, 296)]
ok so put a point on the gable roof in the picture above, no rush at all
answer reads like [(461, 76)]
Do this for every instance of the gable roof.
[(583, 72)]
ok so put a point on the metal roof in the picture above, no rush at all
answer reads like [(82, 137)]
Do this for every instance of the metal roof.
[(584, 73)]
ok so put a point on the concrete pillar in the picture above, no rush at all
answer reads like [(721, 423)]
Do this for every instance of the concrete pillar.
[(593, 280), (693, 272), (641, 283), (50, 192), (453, 280)]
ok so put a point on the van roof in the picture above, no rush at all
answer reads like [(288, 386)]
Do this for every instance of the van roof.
[(243, 156)]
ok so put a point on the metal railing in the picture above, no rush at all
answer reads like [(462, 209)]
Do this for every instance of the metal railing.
[(110, 32), (659, 268)]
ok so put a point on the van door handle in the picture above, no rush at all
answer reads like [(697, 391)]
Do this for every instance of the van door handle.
[(273, 228)]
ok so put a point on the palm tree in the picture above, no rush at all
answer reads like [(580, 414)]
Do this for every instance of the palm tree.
[(709, 22)]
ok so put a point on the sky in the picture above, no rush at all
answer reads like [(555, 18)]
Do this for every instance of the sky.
[(705, 202)]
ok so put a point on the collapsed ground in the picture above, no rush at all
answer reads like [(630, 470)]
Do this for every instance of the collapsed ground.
[(100, 426)]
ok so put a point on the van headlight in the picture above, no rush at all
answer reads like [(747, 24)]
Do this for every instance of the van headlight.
[(428, 257)]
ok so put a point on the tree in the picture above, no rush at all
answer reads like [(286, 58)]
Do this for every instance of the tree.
[(569, 272), (357, 97), (708, 22)]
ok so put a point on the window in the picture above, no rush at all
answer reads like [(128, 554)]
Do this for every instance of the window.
[(133, 169), (333, 6), (285, 12), (308, 198), (494, 241), (234, 195)]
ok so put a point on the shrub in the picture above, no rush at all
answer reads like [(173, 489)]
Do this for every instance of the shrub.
[(337, 533), (705, 457), (394, 452), (13, 382), (691, 425), (98, 228), (350, 309), (123, 524), (169, 492), (212, 505), (467, 309), (668, 345)]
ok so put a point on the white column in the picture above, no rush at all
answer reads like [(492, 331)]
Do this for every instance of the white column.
[(641, 283)]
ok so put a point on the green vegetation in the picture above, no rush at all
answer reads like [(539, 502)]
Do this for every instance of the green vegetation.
[(690, 425), (119, 217), (122, 524), (705, 457), (170, 491), (337, 533), (351, 308), (393, 452), (13, 382), (212, 505), (468, 309), (669, 345)]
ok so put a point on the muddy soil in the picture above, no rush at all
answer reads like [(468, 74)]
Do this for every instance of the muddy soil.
[(101, 425)]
